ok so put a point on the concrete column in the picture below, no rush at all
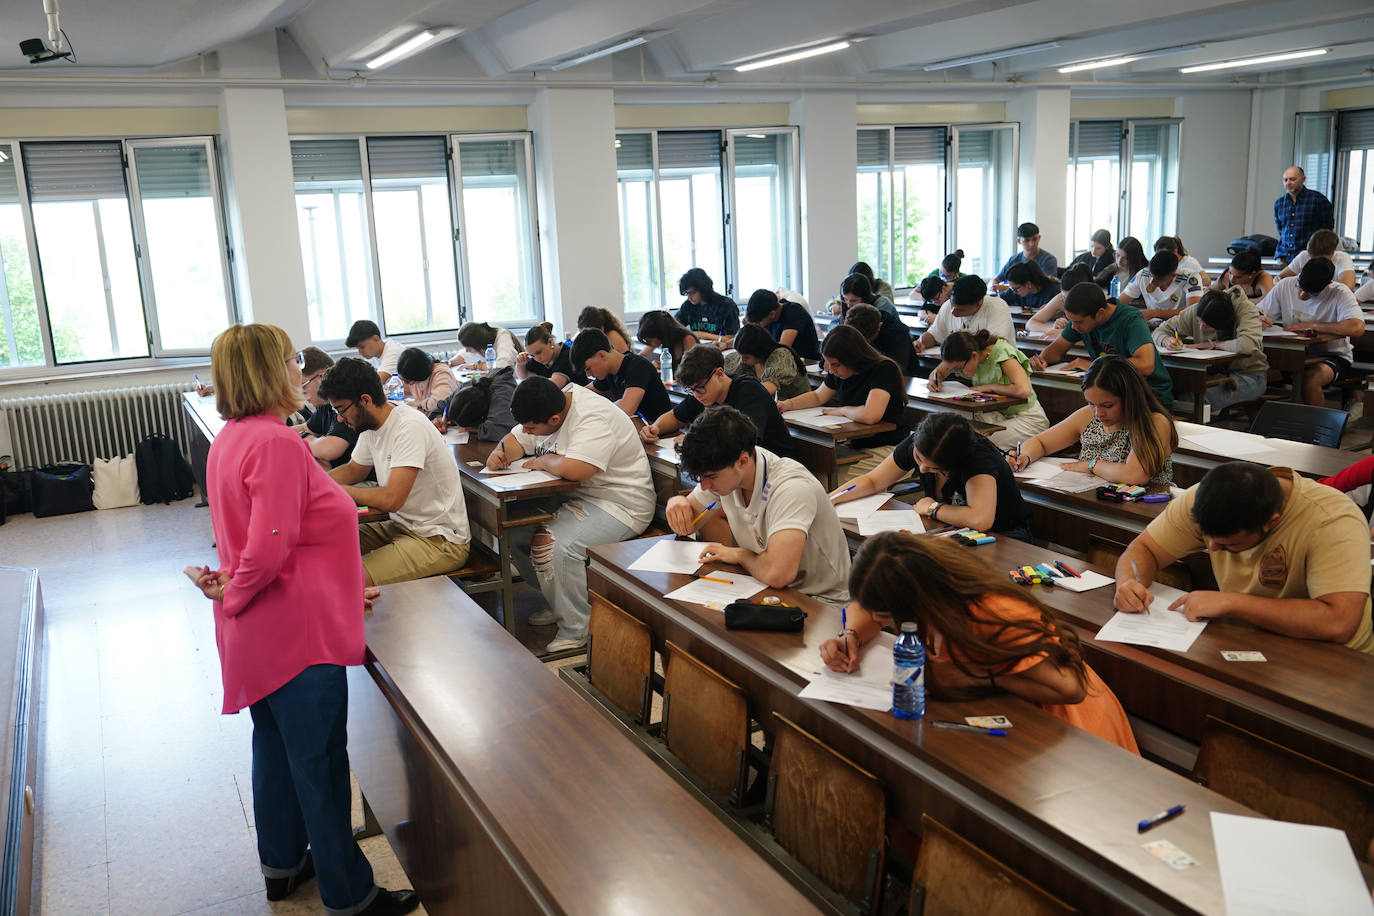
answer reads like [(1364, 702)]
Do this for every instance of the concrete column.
[(261, 196), (1271, 151), (1043, 176), (579, 222), (1213, 158), (827, 122)]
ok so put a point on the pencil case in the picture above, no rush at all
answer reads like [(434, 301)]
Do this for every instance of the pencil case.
[(746, 615)]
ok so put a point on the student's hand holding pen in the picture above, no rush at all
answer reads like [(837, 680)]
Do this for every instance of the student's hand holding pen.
[(679, 513), (498, 459), (841, 653), (649, 433)]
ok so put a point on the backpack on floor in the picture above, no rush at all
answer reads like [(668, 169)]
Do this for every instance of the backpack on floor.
[(163, 475), (61, 489)]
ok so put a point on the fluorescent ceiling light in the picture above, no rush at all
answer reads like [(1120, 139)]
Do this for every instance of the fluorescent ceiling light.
[(602, 52), (748, 136), (1252, 61), (404, 49), (1118, 61), (788, 58), (992, 55), (4, 156)]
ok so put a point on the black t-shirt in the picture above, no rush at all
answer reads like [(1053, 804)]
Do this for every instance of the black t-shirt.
[(638, 372), (1012, 511), (795, 318), (747, 395), (894, 342), (325, 422), (561, 363), (853, 392)]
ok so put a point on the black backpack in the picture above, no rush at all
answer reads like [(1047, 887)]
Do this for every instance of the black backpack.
[(1262, 245), (163, 475)]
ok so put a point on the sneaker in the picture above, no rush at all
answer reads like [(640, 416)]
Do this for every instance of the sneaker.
[(564, 644), (281, 888), (391, 903), (542, 618)]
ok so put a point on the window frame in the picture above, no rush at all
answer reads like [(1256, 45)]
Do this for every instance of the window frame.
[(40, 297), (1125, 161), (793, 258), (952, 191)]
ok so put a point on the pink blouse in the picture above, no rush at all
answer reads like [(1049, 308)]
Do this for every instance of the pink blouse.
[(288, 535), (424, 396)]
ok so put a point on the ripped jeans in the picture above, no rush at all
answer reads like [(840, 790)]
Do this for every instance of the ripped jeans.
[(554, 556)]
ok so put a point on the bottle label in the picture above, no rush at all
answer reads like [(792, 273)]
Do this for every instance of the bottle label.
[(909, 677)]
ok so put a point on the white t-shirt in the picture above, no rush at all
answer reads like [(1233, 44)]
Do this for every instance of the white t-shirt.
[(1190, 264), (599, 433), (391, 354), (788, 497), (1183, 292), (1341, 259), (507, 347), (994, 315), (406, 439), (1365, 292), (1335, 303)]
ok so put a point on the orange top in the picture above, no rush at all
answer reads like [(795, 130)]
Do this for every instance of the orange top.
[(1100, 711)]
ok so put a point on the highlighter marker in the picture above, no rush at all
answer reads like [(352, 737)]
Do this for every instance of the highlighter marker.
[(1167, 814)]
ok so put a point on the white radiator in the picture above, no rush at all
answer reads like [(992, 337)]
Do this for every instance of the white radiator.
[(81, 426)]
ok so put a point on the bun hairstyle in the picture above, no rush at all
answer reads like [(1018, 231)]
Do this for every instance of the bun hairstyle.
[(477, 335), (540, 333), (953, 261), (1171, 243), (960, 346)]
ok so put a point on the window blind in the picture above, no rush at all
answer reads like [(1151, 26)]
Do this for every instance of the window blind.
[(407, 157), (753, 151), (1096, 139), (74, 171), (634, 152), (919, 146), (1355, 130), (489, 157), (9, 179), (689, 149), (172, 171), (325, 161), (872, 149)]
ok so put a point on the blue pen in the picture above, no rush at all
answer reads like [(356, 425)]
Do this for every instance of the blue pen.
[(1166, 815), (960, 726), (641, 418), (847, 489)]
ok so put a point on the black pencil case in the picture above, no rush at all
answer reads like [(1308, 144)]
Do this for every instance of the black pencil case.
[(745, 615)]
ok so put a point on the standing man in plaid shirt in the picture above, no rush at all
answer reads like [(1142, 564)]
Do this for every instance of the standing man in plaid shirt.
[(1299, 213)]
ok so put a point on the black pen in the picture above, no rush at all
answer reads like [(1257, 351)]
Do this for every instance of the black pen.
[(1166, 815), (960, 726)]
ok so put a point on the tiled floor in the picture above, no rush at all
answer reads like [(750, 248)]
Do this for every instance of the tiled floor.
[(144, 798)]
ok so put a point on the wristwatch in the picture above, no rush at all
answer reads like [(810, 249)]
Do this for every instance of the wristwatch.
[(1092, 464), (930, 513)]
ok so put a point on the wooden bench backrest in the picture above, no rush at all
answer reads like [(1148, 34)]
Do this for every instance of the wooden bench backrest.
[(955, 878), (1284, 784), (620, 657), (705, 721), (827, 813)]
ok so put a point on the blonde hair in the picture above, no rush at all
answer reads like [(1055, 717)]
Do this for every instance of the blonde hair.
[(248, 364)]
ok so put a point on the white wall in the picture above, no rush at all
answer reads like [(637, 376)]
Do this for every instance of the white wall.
[(1043, 176), (829, 199), (1270, 152), (1214, 158)]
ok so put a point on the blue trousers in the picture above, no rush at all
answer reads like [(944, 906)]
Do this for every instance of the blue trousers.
[(301, 791)]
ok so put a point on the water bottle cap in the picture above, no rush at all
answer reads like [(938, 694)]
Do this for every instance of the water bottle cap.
[(910, 627)]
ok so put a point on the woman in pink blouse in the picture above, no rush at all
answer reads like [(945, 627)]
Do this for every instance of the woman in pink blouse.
[(426, 380), (288, 618)]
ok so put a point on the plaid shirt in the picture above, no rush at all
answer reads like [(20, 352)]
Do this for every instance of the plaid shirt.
[(1298, 219)]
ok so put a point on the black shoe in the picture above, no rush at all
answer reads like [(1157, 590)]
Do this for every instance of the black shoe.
[(391, 903), (281, 888)]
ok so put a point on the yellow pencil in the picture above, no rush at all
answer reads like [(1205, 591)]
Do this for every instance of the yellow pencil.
[(714, 579)]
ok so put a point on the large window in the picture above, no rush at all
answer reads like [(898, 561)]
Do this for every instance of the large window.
[(22, 341), (1355, 161), (908, 209), (384, 235), (683, 205), (1139, 200)]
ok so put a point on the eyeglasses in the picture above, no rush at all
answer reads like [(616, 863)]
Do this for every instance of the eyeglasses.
[(345, 409), (298, 358), (699, 390), (313, 379)]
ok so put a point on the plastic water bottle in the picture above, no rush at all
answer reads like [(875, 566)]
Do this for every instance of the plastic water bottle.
[(1115, 288), (490, 358), (395, 391), (665, 365), (908, 674)]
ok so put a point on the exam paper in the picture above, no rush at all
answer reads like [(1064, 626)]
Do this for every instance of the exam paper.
[(1088, 580), (1228, 442), (456, 436), (1071, 482), (1274, 868), (891, 520), (1066, 366), (509, 481), (870, 687), (1161, 627), (1042, 469), (734, 587), (515, 467), (949, 388), (671, 557), (1277, 331), (859, 508), (812, 416)]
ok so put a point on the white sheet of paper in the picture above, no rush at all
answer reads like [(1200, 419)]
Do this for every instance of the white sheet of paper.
[(870, 687), (1199, 355), (456, 436), (1065, 367), (812, 416), (891, 520), (862, 507), (949, 388), (1279, 332), (1161, 627), (1228, 442), (507, 481), (1089, 580), (671, 557), (515, 467), (1043, 469), (1274, 868), (1072, 482), (718, 594)]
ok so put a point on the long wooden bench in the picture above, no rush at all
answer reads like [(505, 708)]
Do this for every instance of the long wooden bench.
[(21, 639)]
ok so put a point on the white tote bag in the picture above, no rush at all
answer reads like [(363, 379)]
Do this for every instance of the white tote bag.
[(116, 482)]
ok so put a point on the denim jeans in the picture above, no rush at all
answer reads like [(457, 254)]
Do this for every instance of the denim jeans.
[(301, 790), (560, 569), (1249, 386)]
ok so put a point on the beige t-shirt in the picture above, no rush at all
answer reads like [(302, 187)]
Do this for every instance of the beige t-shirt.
[(1320, 546)]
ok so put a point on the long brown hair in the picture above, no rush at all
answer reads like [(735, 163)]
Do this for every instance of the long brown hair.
[(942, 587), (603, 320), (1117, 376), (847, 345)]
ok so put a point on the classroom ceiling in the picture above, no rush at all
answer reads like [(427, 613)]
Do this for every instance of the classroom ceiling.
[(701, 41)]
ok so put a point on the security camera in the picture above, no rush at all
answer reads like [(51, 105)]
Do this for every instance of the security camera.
[(39, 53)]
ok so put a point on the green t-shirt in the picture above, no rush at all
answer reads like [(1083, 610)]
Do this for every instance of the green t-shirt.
[(990, 372), (1124, 333)]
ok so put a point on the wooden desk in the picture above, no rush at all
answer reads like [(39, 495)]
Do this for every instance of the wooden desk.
[(504, 792), (1054, 802), (1072, 519), (497, 510), (205, 423), (21, 647), (818, 449), (1288, 357), (1310, 696), (920, 396), (1309, 460)]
